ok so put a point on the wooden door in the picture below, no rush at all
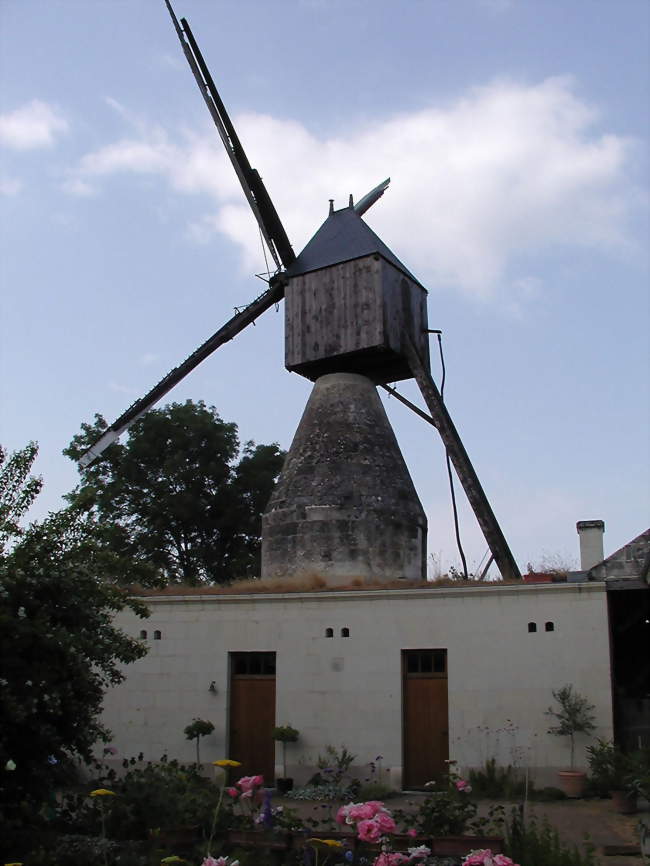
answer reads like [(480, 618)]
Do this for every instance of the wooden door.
[(426, 718), (252, 713)]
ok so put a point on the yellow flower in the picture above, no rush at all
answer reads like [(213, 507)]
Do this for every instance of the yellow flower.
[(103, 792), (331, 843), (226, 762)]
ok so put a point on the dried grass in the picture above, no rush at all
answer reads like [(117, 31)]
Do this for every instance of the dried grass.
[(312, 583)]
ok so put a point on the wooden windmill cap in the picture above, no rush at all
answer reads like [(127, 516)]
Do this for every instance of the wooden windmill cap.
[(344, 236)]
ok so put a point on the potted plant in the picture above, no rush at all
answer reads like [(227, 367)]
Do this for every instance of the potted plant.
[(612, 773), (284, 734), (574, 716), (199, 728)]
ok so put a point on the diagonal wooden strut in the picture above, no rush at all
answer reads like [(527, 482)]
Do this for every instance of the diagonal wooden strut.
[(467, 476)]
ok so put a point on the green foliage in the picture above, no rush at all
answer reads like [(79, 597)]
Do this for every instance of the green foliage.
[(496, 782), (18, 489), (285, 734), (197, 729), (445, 811), (180, 495), (335, 763), (574, 716), (150, 797), (535, 844), (59, 649), (608, 767)]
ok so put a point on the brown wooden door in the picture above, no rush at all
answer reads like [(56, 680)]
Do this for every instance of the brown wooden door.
[(252, 713), (426, 717)]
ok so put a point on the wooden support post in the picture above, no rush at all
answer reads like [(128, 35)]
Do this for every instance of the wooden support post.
[(462, 464)]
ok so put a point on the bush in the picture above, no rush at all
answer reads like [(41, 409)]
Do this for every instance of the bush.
[(149, 796), (497, 783)]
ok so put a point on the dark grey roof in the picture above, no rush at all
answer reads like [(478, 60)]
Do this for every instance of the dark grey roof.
[(342, 237)]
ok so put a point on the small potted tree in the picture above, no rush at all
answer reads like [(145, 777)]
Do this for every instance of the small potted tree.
[(284, 734), (199, 728), (574, 716)]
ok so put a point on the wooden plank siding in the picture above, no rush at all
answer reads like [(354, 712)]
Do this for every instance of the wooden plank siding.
[(351, 318)]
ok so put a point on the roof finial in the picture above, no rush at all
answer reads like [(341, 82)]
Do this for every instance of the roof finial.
[(351, 201), (331, 206)]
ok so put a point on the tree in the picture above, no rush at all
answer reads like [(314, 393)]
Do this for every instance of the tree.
[(59, 648), (575, 716), (18, 489), (197, 729), (179, 494)]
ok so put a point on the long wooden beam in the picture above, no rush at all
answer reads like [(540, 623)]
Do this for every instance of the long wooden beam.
[(467, 476)]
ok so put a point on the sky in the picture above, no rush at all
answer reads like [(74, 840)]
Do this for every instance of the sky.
[(515, 134)]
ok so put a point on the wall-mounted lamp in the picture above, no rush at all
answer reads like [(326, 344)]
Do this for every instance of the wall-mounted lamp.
[(212, 688)]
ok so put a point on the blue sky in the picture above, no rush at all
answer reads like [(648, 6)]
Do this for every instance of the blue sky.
[(515, 133)]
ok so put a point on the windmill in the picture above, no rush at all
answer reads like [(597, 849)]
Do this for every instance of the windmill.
[(355, 318)]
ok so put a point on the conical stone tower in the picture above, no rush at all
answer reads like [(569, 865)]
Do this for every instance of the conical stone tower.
[(345, 506)]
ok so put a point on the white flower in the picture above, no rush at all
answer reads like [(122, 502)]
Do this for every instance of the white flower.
[(420, 851)]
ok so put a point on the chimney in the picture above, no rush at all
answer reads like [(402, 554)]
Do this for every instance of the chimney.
[(591, 542)]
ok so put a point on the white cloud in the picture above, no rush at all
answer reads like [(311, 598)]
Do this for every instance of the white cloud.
[(506, 170), (34, 125)]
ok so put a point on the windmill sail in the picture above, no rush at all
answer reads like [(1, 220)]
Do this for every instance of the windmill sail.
[(251, 182), (272, 231), (232, 327)]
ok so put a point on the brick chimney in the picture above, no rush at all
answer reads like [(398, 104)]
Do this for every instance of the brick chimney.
[(591, 542)]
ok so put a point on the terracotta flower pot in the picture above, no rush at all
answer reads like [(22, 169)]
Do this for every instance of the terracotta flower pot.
[(572, 782), (623, 802), (460, 845)]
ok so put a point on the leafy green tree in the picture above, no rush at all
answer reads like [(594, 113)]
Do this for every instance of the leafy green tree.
[(18, 489), (59, 648), (180, 495)]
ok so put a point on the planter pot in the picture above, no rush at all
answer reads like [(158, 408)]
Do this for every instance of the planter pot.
[(623, 802), (461, 845), (181, 837), (260, 839), (572, 782), (284, 785), (299, 840)]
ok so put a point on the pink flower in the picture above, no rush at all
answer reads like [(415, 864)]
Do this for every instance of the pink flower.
[(247, 783), (386, 859), (420, 852), (369, 831), (342, 814), (384, 822), (361, 812), (462, 785), (232, 792), (485, 857), (246, 795), (412, 832)]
